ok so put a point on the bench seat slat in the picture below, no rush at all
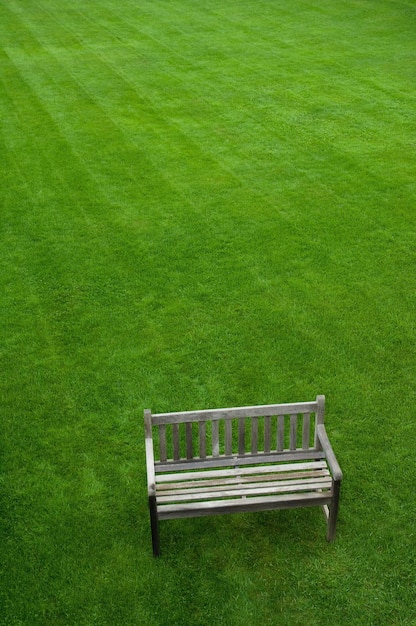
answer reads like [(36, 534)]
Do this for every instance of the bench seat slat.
[(256, 489), (286, 501), (242, 479), (259, 469), (247, 491)]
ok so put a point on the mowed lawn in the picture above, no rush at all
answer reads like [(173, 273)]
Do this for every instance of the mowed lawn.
[(205, 203)]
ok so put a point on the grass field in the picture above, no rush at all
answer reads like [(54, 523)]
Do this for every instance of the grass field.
[(205, 204)]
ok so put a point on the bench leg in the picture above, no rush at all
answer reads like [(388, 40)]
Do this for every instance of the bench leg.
[(333, 512), (154, 525)]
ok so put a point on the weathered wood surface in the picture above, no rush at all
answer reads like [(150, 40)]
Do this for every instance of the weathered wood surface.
[(329, 453), (202, 427), (240, 505), (245, 436), (232, 461), (162, 442), (280, 433), (306, 432), (234, 491), (211, 415), (189, 444), (228, 437), (176, 444), (278, 468), (150, 461), (257, 458), (237, 478)]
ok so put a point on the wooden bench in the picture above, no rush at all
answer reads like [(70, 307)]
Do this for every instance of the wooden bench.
[(232, 460)]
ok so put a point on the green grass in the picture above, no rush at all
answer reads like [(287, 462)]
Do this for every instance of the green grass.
[(204, 204)]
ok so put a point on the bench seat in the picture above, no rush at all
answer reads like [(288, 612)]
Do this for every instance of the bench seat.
[(256, 488)]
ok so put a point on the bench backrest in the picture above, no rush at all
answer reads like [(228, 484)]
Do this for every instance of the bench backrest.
[(215, 436)]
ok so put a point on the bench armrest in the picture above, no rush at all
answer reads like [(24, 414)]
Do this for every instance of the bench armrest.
[(329, 453), (150, 461)]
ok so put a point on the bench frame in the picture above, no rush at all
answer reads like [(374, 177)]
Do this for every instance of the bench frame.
[(296, 467)]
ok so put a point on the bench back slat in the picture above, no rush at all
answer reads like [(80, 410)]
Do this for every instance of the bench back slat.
[(228, 437), (293, 431), (202, 427), (267, 433), (211, 415), (254, 435), (280, 433), (256, 430), (241, 437), (306, 431), (189, 443), (215, 439), (162, 442), (176, 444)]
